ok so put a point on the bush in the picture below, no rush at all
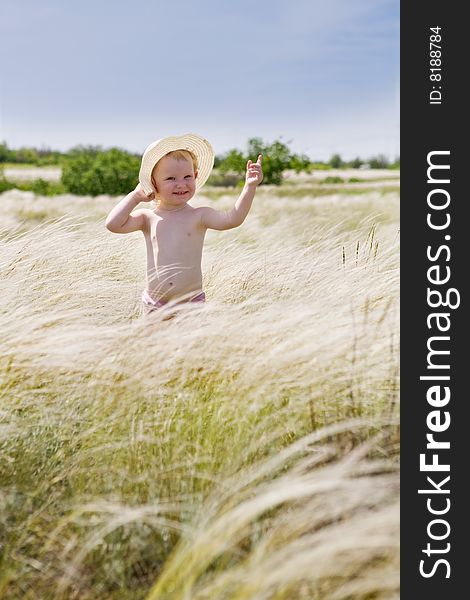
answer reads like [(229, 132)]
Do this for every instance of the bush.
[(356, 163), (38, 186), (80, 150), (232, 162), (332, 179), (47, 188), (379, 162), (277, 158), (336, 162), (5, 153), (41, 157), (49, 158), (5, 185), (320, 166), (225, 179), (90, 171), (300, 163)]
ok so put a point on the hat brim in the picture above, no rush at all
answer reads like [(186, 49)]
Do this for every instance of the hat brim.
[(197, 145)]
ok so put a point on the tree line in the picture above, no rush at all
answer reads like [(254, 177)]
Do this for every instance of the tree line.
[(92, 170)]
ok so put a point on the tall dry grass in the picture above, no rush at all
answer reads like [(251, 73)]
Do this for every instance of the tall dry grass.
[(245, 449)]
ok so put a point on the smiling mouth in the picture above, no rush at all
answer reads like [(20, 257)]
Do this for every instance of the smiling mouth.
[(180, 193)]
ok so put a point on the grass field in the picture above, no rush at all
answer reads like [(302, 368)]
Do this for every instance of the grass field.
[(246, 449)]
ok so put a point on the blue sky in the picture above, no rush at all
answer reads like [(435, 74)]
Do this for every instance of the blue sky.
[(324, 74)]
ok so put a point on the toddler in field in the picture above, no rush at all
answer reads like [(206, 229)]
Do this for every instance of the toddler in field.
[(172, 170)]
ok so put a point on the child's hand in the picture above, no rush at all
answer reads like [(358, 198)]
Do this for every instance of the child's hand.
[(142, 196), (254, 171)]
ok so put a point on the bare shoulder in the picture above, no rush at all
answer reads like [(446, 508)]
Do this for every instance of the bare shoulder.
[(145, 211), (145, 215), (214, 219), (138, 220), (201, 209), (203, 212)]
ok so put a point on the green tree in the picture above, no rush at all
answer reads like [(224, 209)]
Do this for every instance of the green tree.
[(5, 153), (90, 171), (26, 155), (300, 163), (379, 162), (232, 161), (277, 158), (356, 163), (81, 150), (336, 162), (49, 157)]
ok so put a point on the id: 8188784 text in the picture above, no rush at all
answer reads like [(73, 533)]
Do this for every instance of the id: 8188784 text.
[(435, 62)]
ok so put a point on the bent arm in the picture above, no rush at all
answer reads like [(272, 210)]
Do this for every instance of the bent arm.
[(120, 219), (214, 219)]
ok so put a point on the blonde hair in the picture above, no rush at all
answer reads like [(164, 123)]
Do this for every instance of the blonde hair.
[(178, 155), (182, 155)]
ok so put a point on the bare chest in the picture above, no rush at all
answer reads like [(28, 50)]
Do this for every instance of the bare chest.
[(176, 233)]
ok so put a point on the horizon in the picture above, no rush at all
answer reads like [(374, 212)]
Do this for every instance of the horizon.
[(243, 150)]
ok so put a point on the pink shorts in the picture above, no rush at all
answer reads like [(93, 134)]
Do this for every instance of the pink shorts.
[(149, 304)]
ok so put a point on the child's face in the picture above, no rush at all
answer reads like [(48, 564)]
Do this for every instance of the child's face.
[(174, 180)]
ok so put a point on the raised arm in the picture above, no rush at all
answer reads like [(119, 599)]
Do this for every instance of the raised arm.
[(214, 219), (120, 219)]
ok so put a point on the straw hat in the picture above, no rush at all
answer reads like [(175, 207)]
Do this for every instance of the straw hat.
[(200, 147)]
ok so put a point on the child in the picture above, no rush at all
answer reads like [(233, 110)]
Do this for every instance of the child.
[(172, 170)]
